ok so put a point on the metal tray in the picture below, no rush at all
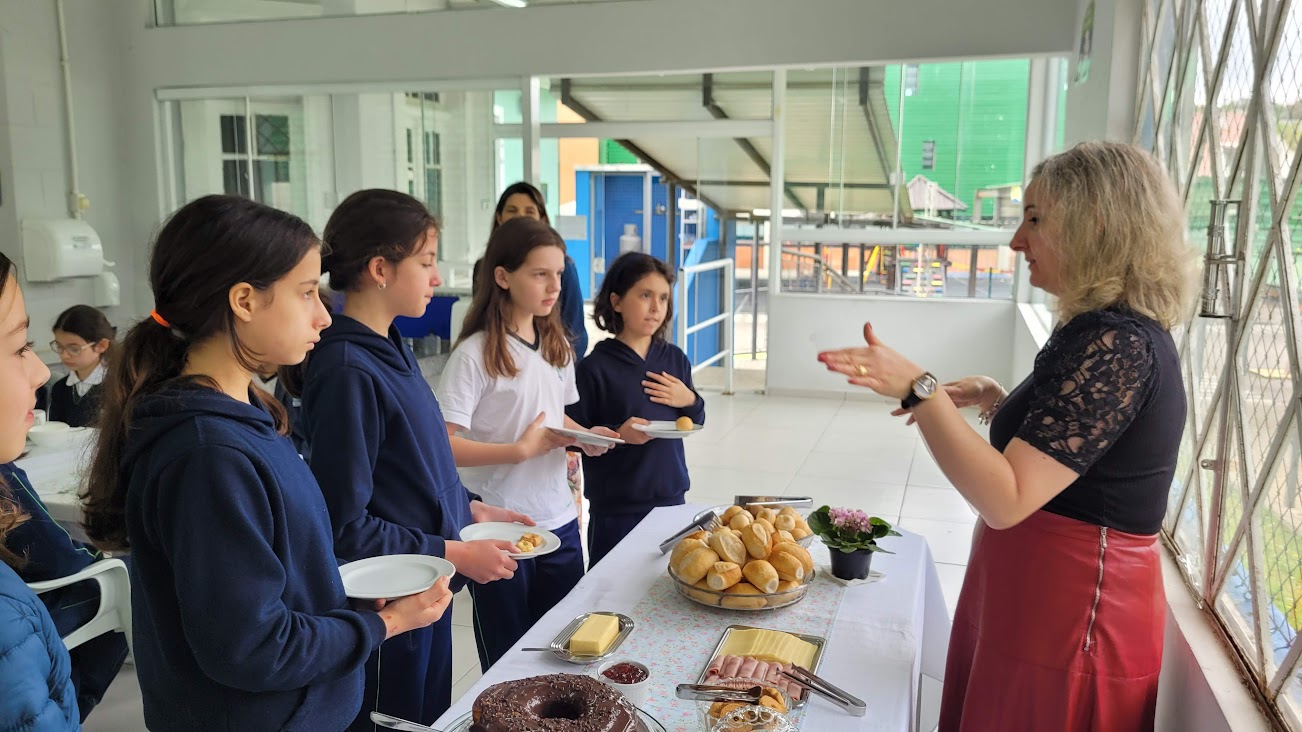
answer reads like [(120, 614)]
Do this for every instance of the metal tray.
[(560, 643), (818, 642)]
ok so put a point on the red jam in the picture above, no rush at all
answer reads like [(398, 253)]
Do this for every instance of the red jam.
[(625, 673)]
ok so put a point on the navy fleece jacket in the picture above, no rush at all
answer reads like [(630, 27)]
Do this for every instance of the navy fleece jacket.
[(379, 446), (233, 574), (632, 478)]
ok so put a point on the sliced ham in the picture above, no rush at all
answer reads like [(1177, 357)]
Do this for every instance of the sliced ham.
[(745, 667), (715, 666), (730, 667), (747, 670)]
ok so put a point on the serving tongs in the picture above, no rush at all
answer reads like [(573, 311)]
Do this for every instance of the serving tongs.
[(853, 705), (710, 693), (708, 520)]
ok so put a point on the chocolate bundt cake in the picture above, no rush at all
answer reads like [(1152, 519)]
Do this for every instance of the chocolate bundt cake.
[(553, 703)]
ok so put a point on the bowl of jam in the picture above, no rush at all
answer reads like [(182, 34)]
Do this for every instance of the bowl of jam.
[(627, 677)]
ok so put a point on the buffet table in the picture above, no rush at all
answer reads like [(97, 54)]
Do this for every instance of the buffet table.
[(881, 635)]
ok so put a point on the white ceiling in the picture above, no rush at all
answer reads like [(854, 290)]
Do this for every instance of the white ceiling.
[(830, 144)]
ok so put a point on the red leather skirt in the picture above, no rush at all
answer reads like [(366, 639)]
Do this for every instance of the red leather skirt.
[(1058, 627)]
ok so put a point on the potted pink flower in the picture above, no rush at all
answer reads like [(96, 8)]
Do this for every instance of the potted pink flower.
[(852, 536)]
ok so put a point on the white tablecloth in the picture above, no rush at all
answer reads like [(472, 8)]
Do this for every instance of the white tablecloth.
[(885, 635), (57, 474)]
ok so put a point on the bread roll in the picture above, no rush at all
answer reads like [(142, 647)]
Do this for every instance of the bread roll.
[(803, 525), (683, 547), (701, 593), (784, 536), (723, 575), (763, 575), (740, 597), (735, 532), (788, 565), (758, 540), (740, 520), (694, 565), (788, 511), (698, 535), (785, 522), (800, 533), (788, 586), (774, 704), (768, 525), (730, 512), (754, 510), (799, 552), (728, 546), (768, 514)]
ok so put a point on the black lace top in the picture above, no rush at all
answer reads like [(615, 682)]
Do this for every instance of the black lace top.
[(1107, 400)]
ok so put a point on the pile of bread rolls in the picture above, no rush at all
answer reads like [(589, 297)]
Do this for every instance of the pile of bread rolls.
[(748, 557)]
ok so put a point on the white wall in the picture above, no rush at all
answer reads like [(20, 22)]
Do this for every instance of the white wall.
[(1029, 334), (950, 338), (33, 147), (1103, 108)]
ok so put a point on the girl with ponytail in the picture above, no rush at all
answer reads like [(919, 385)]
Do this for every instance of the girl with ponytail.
[(241, 620)]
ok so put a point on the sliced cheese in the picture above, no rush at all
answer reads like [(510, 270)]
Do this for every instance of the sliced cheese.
[(769, 645), (595, 635)]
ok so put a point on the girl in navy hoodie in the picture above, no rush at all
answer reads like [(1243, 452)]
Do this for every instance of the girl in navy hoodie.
[(378, 443), (507, 381), (628, 380), (34, 667), (240, 616)]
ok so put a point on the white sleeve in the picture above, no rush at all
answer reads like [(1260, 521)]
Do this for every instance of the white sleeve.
[(571, 388), (462, 385)]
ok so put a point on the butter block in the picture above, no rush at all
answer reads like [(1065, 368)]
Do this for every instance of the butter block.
[(594, 636), (769, 645)]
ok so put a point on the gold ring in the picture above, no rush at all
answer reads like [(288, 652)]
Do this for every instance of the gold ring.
[(861, 370)]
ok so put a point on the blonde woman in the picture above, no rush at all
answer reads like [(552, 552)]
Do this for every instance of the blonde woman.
[(1059, 623)]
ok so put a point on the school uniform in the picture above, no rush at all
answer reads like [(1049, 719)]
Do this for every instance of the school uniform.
[(75, 400), (239, 610), (51, 553), (626, 483), (379, 448), (497, 410)]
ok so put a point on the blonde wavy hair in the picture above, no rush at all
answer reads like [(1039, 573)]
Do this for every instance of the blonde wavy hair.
[(1119, 230)]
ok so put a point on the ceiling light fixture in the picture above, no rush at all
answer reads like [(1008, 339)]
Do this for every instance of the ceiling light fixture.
[(512, 3)]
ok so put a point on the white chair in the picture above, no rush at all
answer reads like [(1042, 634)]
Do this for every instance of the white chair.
[(459, 310), (114, 600)]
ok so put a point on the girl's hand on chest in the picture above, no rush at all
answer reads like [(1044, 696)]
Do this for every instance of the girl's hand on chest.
[(666, 389)]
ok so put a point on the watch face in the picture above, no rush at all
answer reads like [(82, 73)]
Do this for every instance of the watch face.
[(925, 386)]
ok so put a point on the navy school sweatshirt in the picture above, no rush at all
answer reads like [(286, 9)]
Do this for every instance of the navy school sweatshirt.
[(379, 446), (240, 615), (632, 478), (50, 551)]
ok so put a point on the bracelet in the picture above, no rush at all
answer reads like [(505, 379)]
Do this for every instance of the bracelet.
[(989, 414)]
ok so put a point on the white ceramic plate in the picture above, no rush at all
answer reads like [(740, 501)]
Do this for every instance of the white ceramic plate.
[(667, 430), (504, 531), (395, 575), (587, 438)]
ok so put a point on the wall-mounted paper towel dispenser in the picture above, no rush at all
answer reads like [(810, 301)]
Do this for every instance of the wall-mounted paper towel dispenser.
[(58, 249)]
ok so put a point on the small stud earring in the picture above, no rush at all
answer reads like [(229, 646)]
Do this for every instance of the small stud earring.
[(383, 285)]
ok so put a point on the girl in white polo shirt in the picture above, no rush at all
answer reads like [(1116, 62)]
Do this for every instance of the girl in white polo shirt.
[(508, 380)]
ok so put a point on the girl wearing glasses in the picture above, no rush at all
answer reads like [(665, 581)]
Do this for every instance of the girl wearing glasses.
[(83, 338)]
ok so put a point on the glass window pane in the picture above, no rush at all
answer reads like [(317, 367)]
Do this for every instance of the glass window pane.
[(234, 139), (272, 134), (235, 178)]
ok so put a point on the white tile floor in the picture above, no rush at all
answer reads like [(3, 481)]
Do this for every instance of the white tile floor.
[(840, 452)]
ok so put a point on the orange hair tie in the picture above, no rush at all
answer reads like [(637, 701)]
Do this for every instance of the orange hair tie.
[(159, 319)]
